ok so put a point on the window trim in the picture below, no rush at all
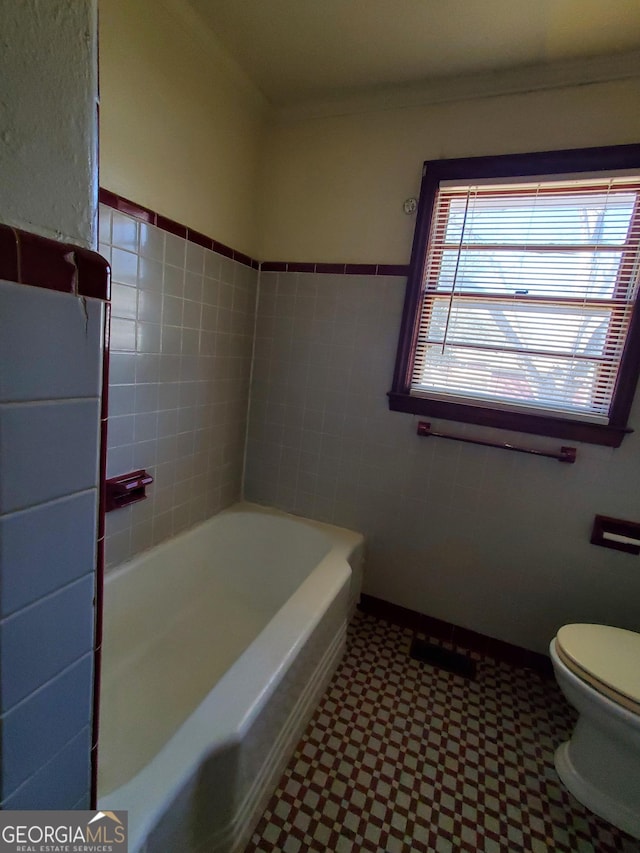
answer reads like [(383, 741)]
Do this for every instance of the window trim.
[(610, 158)]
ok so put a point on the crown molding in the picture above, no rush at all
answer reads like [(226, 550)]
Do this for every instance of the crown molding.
[(531, 78)]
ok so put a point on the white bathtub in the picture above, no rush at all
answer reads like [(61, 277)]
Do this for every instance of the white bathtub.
[(217, 646)]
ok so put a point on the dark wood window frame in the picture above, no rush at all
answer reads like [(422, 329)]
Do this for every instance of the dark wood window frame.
[(548, 163)]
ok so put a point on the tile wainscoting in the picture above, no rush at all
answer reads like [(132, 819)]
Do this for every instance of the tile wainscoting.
[(52, 326), (321, 441), (475, 536), (180, 359)]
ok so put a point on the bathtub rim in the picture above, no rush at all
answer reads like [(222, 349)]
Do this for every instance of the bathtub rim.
[(348, 539)]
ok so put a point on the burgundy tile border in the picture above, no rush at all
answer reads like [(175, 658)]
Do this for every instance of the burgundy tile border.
[(361, 269), (242, 258), (104, 419), (136, 210), (200, 239), (221, 249), (332, 269), (393, 269), (94, 274), (450, 633), (108, 198), (45, 263), (8, 254), (98, 627), (335, 269), (125, 205), (300, 267), (27, 258), (171, 226)]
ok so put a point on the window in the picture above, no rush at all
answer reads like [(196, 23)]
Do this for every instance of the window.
[(520, 306)]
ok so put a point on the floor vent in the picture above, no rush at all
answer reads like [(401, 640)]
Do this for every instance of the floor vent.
[(455, 662)]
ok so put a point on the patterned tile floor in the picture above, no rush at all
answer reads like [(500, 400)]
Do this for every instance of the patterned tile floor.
[(400, 757)]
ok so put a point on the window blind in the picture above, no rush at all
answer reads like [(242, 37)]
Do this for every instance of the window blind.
[(527, 296)]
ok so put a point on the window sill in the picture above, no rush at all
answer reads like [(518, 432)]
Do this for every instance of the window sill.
[(607, 435)]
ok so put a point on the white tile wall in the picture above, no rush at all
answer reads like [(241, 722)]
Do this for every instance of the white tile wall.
[(36, 730), (50, 377), (181, 345), (41, 640), (53, 346), (60, 536), (487, 539), (48, 450), (62, 780)]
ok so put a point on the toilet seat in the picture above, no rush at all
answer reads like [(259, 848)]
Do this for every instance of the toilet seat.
[(606, 658)]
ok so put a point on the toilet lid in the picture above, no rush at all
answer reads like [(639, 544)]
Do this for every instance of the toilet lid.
[(608, 658)]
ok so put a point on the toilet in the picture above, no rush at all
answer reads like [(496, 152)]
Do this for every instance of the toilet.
[(598, 670)]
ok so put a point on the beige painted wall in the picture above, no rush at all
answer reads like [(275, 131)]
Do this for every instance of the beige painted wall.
[(183, 131), (180, 127), (333, 187)]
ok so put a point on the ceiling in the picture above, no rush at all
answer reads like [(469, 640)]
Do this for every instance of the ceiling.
[(299, 51)]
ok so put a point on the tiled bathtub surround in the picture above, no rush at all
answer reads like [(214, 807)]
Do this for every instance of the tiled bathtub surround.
[(181, 344)]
